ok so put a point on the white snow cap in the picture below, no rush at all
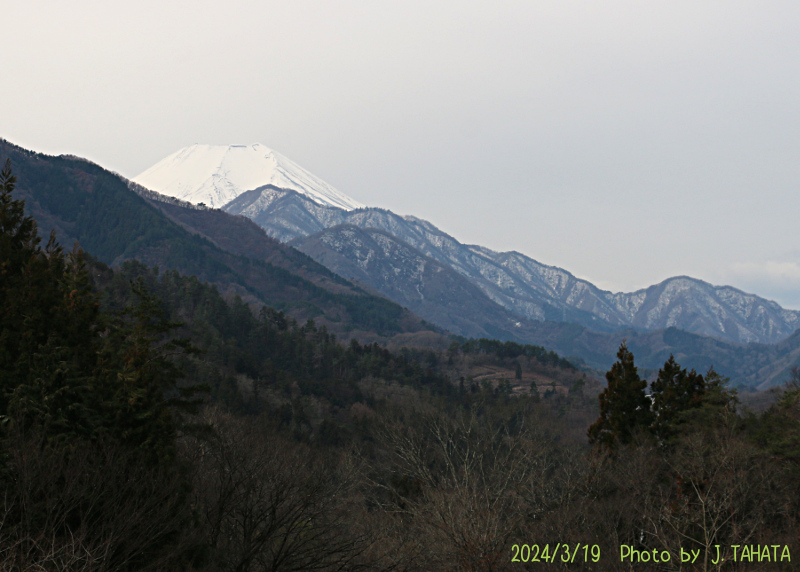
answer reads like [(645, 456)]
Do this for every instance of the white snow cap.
[(217, 174)]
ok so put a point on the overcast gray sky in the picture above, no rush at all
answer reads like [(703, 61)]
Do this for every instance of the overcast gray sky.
[(625, 141)]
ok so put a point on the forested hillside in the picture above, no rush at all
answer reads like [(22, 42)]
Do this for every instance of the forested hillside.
[(147, 423), (83, 202), (100, 379)]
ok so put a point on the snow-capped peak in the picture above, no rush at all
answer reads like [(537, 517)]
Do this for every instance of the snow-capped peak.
[(217, 174)]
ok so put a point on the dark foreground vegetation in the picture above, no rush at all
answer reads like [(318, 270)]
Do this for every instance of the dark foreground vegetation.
[(146, 423)]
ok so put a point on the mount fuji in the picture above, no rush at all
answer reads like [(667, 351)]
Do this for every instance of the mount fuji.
[(216, 174)]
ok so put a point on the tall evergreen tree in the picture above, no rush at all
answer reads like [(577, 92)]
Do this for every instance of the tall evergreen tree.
[(674, 391), (624, 405), (48, 317), (134, 386)]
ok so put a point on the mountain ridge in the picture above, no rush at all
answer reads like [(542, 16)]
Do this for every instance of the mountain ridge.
[(534, 290), (404, 274), (83, 202)]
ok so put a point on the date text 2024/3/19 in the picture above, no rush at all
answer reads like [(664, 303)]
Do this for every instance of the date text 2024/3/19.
[(560, 552)]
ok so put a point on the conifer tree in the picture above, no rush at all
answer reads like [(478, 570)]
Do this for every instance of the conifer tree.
[(674, 392), (21, 264), (134, 385), (624, 406), (48, 315)]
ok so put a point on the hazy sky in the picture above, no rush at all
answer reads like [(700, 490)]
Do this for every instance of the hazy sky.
[(625, 141)]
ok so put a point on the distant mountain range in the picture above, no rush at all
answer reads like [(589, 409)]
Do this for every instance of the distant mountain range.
[(445, 297), (469, 290), (516, 282)]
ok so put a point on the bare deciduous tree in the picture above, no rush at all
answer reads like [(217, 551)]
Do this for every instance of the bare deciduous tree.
[(722, 491), (463, 485), (88, 507), (270, 504)]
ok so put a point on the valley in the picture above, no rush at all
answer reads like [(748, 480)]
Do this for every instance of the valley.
[(241, 380), (473, 291)]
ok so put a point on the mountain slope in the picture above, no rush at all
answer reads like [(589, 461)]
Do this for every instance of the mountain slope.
[(423, 285), (288, 202), (534, 290), (84, 202), (443, 296), (216, 174), (241, 236), (683, 302), (702, 308)]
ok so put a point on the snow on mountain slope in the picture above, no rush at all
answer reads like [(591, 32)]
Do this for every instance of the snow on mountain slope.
[(404, 274), (531, 289), (217, 174), (288, 202)]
